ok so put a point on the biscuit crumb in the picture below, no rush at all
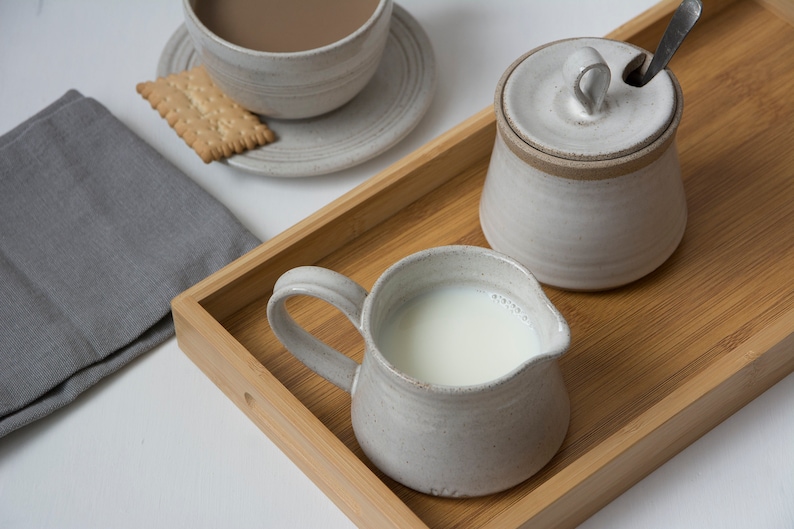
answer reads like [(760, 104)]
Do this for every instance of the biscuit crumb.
[(210, 123)]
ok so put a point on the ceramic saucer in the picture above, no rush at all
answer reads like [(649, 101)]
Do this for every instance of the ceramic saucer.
[(388, 108)]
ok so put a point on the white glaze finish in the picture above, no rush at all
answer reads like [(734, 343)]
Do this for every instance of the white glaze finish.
[(540, 105), (584, 234), (293, 85), (381, 115), (441, 440), (614, 209)]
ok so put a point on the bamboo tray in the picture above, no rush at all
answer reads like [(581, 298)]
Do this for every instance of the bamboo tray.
[(652, 367)]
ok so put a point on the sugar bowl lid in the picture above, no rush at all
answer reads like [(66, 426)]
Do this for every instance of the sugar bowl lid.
[(570, 99)]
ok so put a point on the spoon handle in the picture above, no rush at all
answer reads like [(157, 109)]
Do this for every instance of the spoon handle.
[(682, 22)]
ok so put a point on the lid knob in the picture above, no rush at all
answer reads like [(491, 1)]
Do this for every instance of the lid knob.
[(587, 74), (570, 99)]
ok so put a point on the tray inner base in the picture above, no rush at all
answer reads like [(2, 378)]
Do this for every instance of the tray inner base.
[(634, 346)]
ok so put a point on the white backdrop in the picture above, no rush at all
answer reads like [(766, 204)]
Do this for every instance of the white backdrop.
[(157, 444)]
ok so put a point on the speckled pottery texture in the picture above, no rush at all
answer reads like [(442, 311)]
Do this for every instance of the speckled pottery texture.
[(293, 85), (441, 440), (585, 201)]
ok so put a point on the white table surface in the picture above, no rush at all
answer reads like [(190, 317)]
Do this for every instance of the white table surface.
[(157, 444)]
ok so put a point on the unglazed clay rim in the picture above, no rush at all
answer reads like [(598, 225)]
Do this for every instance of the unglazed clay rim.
[(584, 169)]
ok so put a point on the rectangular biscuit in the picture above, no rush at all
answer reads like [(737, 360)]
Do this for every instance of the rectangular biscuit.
[(201, 114)]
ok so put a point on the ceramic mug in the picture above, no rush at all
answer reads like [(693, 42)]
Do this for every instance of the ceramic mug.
[(293, 84), (467, 433), (584, 184)]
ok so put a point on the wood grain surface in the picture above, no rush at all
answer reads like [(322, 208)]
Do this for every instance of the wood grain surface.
[(653, 365)]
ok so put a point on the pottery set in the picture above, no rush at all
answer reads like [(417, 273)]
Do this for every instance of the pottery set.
[(460, 392)]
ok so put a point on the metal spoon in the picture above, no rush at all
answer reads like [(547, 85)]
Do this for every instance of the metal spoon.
[(682, 22)]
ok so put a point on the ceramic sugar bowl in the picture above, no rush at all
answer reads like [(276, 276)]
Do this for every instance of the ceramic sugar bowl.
[(584, 185)]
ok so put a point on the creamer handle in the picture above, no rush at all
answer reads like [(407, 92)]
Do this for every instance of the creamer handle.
[(331, 287)]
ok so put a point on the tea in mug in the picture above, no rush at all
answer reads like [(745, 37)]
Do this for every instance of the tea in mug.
[(283, 25), (458, 336)]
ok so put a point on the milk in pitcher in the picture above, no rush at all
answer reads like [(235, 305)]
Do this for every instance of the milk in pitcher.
[(458, 336)]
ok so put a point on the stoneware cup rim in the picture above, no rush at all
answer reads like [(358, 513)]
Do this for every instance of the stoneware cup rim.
[(188, 9)]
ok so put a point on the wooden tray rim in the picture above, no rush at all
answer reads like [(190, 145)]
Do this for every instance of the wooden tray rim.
[(613, 466)]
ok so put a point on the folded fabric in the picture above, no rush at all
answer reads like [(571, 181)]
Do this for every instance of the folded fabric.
[(98, 233)]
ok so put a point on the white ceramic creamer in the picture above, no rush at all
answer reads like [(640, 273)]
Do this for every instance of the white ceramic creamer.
[(460, 392), (584, 185)]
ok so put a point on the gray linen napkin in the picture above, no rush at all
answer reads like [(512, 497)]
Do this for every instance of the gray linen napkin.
[(98, 233)]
